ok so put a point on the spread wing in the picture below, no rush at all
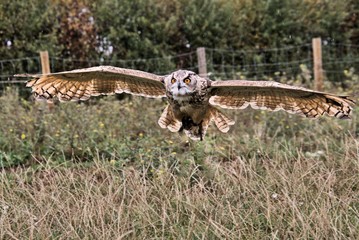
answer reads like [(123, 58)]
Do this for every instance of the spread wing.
[(273, 96), (81, 84)]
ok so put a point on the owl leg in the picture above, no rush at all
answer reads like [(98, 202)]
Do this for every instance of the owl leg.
[(200, 131)]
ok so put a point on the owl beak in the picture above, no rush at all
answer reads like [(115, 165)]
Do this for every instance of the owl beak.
[(179, 86)]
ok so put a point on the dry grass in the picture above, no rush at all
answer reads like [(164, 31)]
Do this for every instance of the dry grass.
[(104, 171)]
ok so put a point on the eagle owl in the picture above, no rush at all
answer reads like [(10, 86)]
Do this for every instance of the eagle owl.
[(193, 100)]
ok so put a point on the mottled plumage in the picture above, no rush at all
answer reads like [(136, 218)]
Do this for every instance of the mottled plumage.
[(192, 99)]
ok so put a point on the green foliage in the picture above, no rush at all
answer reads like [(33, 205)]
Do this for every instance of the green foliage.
[(76, 31), (276, 23), (134, 29), (351, 23), (203, 23), (107, 32), (30, 26), (155, 28)]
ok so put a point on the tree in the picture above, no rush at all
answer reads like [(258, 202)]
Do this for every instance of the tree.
[(76, 30), (27, 27), (351, 22)]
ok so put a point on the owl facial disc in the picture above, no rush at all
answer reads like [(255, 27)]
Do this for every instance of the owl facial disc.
[(181, 84)]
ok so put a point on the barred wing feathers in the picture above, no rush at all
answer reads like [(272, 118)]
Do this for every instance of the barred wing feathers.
[(168, 120), (274, 96), (81, 84)]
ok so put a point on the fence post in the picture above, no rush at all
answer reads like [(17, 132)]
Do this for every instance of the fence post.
[(317, 63), (202, 63), (45, 63), (45, 69)]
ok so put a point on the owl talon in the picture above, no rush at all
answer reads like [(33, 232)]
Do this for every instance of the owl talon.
[(200, 130), (194, 130)]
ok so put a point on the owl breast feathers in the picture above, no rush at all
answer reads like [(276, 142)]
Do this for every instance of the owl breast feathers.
[(193, 100)]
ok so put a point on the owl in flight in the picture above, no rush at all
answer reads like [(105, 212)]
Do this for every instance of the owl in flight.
[(193, 100)]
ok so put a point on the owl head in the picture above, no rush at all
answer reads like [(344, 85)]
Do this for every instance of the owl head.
[(182, 84)]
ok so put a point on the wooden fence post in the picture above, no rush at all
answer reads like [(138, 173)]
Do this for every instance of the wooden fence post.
[(202, 63), (317, 63), (45, 69), (45, 63)]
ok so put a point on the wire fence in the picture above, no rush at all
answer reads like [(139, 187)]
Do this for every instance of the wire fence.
[(287, 64), (259, 64), (160, 66), (339, 60)]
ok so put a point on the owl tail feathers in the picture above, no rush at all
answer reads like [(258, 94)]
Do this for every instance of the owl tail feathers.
[(167, 120), (198, 131)]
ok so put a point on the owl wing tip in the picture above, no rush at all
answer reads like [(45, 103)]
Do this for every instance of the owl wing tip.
[(344, 117)]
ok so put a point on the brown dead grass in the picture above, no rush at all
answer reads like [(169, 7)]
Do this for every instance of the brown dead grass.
[(297, 198)]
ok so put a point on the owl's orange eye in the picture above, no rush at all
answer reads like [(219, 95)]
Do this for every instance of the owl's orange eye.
[(187, 81), (173, 80)]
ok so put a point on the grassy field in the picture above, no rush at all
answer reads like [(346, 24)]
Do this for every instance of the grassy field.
[(105, 170)]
